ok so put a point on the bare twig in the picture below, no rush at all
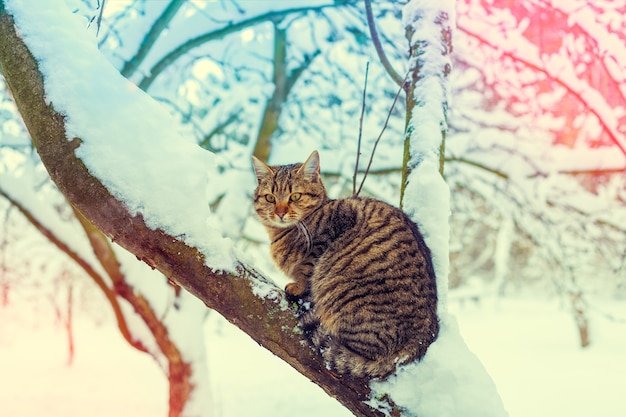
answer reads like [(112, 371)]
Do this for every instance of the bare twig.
[(395, 100), (358, 146), (395, 76), (169, 58), (99, 19), (206, 141), (151, 37)]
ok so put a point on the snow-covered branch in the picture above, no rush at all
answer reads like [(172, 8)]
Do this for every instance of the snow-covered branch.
[(217, 277)]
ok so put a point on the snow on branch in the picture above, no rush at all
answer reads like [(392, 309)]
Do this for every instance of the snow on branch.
[(426, 196)]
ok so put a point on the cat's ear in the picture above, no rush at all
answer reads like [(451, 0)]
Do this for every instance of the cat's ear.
[(261, 169), (311, 167)]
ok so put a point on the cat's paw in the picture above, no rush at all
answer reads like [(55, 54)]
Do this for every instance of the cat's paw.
[(295, 290)]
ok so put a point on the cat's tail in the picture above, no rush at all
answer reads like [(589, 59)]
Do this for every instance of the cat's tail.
[(345, 361)]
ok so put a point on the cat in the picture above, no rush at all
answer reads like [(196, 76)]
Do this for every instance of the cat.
[(360, 263)]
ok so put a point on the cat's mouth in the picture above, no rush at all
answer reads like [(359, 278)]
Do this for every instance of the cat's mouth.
[(284, 222)]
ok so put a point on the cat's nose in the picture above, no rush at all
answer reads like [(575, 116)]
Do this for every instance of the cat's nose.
[(280, 211)]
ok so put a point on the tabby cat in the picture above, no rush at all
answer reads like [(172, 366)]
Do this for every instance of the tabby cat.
[(361, 263)]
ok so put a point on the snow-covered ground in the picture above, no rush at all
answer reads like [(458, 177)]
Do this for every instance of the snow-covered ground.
[(528, 345)]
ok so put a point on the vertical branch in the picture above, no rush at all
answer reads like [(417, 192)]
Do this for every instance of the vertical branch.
[(425, 196), (69, 325), (269, 123), (429, 68), (283, 83), (358, 145), (580, 317)]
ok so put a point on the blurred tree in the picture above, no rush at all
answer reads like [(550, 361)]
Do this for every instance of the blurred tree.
[(547, 149)]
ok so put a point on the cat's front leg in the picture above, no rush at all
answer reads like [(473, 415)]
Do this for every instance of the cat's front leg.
[(301, 274)]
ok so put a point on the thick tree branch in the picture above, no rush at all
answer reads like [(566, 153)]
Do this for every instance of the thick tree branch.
[(265, 319)]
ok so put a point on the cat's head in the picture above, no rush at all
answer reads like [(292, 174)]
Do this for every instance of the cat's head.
[(288, 193)]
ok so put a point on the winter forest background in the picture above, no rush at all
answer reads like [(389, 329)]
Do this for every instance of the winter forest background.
[(535, 158)]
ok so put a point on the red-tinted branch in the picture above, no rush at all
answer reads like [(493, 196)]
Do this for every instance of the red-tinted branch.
[(511, 47), (89, 270)]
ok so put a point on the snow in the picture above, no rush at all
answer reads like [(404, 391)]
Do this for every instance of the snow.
[(106, 378), (427, 199), (528, 345), (452, 381), (129, 141), (143, 158)]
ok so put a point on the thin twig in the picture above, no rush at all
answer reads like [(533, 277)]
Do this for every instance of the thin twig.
[(358, 146), (190, 44), (160, 25), (99, 21), (395, 100), (395, 76)]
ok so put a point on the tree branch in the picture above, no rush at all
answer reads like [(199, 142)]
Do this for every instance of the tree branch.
[(151, 37), (420, 79), (179, 372), (521, 50), (266, 319), (397, 78), (283, 83), (89, 270), (169, 58)]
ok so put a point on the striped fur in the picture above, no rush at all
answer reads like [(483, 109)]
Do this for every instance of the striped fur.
[(361, 263)]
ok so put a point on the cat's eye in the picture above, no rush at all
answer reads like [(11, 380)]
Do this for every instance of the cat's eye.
[(270, 198), (295, 196)]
